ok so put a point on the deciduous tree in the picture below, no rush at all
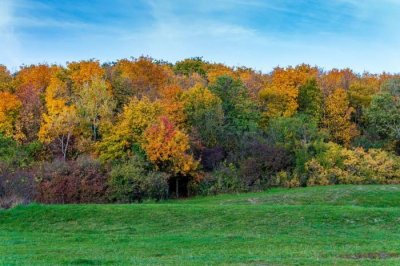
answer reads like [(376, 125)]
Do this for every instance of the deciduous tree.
[(337, 118)]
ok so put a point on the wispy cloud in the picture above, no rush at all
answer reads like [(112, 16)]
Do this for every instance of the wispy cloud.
[(363, 35)]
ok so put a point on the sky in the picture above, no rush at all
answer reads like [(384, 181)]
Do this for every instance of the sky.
[(363, 35)]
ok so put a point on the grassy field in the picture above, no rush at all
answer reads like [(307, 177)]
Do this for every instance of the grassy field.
[(340, 225)]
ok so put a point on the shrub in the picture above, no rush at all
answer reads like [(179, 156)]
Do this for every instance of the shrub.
[(338, 165), (211, 157), (80, 181), (16, 186), (225, 179), (285, 179), (156, 185), (263, 161), (134, 181)]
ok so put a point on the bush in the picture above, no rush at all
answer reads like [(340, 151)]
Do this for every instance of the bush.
[(80, 181), (134, 181), (225, 179), (285, 179), (262, 162), (16, 186), (156, 185), (337, 165)]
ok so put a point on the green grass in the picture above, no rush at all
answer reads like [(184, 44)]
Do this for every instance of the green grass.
[(339, 225)]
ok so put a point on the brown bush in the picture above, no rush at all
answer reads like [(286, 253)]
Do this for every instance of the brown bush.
[(80, 181)]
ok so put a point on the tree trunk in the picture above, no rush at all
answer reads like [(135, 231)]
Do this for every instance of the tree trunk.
[(177, 187)]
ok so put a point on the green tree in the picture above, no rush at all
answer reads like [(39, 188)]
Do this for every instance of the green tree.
[(241, 114), (191, 65), (204, 114), (383, 116), (310, 100)]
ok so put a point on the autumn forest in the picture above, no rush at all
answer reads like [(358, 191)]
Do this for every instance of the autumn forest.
[(143, 129)]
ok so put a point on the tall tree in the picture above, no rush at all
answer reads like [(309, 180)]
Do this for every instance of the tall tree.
[(167, 148), (10, 106), (5, 79), (337, 118), (139, 78), (30, 85), (240, 112), (310, 100), (205, 115), (60, 120), (95, 106), (383, 116), (280, 95), (124, 137)]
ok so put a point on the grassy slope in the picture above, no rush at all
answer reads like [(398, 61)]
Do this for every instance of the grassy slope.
[(343, 225)]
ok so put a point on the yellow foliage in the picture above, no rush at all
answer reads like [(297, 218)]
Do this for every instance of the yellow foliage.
[(60, 121), (339, 165), (9, 109), (144, 76), (216, 70), (172, 106), (167, 148), (280, 95), (136, 117), (337, 118), (84, 72)]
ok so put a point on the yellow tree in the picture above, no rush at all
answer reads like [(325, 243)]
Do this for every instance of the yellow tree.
[(83, 72), (30, 85), (95, 106), (10, 106), (216, 70), (5, 79), (172, 105), (337, 118), (136, 117), (140, 77), (60, 121), (167, 148), (280, 95)]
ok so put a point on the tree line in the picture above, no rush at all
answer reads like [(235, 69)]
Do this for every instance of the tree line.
[(142, 128)]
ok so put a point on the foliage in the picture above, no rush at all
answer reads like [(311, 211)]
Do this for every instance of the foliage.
[(190, 66), (136, 117), (241, 115), (17, 186), (225, 179), (194, 123), (167, 148), (95, 106), (9, 110), (204, 114), (5, 79), (337, 118), (280, 95), (337, 165), (310, 100), (60, 121), (80, 181), (383, 116), (134, 181)]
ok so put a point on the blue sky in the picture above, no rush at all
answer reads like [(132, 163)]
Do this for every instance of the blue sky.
[(363, 35)]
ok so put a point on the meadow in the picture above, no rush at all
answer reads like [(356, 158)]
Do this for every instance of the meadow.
[(327, 225)]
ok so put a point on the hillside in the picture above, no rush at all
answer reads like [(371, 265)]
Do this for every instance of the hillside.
[(344, 225)]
